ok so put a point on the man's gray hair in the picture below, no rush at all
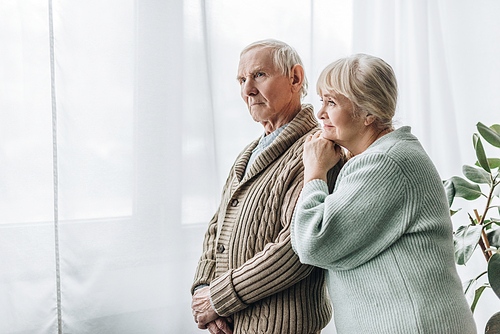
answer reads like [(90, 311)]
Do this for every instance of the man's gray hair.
[(284, 58)]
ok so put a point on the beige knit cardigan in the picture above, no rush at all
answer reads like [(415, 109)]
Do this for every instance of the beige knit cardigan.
[(254, 275)]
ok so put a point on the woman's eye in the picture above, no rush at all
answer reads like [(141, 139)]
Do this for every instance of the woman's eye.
[(330, 103)]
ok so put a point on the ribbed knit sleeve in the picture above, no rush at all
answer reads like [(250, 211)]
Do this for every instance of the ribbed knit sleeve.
[(352, 225), (206, 265)]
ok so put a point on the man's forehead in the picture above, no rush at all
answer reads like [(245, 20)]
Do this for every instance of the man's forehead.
[(255, 60)]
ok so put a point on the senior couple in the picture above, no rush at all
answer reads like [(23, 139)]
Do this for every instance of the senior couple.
[(301, 230)]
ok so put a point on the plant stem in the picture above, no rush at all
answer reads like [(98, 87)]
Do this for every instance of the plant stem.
[(483, 241), (479, 221), (483, 248), (487, 205)]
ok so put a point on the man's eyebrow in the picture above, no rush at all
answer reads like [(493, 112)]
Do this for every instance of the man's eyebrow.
[(253, 72)]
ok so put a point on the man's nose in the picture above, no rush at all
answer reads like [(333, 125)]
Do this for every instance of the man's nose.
[(249, 88)]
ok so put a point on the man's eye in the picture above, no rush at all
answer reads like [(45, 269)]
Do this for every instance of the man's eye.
[(242, 80), (259, 74)]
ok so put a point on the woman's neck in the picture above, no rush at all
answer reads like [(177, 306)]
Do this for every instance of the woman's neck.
[(368, 138)]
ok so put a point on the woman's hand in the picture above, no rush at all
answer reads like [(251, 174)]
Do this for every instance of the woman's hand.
[(320, 155)]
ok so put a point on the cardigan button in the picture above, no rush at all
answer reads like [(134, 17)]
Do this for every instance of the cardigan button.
[(220, 248), (234, 203)]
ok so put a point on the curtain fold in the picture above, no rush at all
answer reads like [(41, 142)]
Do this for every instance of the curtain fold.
[(27, 245)]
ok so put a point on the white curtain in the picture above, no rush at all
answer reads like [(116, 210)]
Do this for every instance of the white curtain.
[(119, 121)]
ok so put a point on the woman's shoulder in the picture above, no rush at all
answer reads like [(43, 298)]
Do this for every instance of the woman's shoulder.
[(392, 154), (400, 154), (394, 140), (400, 146)]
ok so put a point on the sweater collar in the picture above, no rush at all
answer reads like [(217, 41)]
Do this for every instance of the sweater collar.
[(403, 132), (302, 123)]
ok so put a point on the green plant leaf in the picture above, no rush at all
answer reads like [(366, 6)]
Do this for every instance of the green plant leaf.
[(492, 162), (493, 325), (476, 175), (467, 284), (452, 212), (477, 295), (487, 224), (493, 236), (463, 188), (496, 128), (449, 188), (471, 284), (494, 273), (469, 287), (481, 156), (465, 239), (490, 135)]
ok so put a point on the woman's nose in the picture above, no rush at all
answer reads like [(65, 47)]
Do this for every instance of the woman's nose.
[(321, 113)]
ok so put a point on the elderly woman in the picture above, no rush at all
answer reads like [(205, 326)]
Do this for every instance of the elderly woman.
[(384, 234)]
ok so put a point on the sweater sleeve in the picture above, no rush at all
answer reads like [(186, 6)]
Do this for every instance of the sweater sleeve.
[(274, 269), (368, 211), (205, 270)]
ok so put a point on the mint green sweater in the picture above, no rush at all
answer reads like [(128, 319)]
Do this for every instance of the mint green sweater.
[(385, 236)]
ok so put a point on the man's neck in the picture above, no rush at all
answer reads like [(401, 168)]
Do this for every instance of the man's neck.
[(273, 125)]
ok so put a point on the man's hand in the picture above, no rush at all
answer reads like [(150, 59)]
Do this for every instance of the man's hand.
[(203, 312), (220, 326)]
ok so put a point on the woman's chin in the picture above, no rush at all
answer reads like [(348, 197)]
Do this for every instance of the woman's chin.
[(327, 136)]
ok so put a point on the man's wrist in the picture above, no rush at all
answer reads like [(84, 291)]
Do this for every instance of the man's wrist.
[(198, 287)]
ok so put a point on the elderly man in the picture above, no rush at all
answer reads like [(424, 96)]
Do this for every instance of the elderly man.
[(248, 279)]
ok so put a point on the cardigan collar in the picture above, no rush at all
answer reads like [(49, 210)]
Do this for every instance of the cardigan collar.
[(301, 124)]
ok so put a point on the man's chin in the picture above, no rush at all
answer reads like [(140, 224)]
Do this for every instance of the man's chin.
[(258, 115)]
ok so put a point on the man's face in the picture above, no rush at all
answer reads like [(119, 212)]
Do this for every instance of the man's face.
[(267, 93)]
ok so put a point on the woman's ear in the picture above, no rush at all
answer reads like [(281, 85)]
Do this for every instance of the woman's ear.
[(297, 77), (369, 119)]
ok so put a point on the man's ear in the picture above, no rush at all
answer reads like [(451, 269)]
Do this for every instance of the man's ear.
[(369, 119), (297, 77)]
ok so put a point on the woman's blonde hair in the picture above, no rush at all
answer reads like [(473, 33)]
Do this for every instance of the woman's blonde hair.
[(367, 81)]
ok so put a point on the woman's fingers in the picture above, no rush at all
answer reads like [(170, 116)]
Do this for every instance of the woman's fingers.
[(315, 135)]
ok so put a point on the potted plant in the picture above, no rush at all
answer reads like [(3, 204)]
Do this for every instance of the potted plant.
[(482, 226)]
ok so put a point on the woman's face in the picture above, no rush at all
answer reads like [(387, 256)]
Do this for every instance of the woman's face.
[(339, 122)]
